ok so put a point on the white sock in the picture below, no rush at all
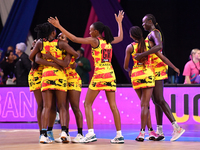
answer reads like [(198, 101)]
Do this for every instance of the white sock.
[(91, 131), (119, 133), (175, 125), (160, 129)]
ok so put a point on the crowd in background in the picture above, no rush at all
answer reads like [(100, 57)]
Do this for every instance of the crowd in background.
[(15, 66)]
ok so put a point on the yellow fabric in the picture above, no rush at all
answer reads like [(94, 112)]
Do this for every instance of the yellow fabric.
[(34, 78), (73, 79), (52, 78), (142, 76), (159, 66), (104, 75)]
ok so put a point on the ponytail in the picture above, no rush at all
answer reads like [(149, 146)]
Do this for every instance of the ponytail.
[(99, 26), (136, 32)]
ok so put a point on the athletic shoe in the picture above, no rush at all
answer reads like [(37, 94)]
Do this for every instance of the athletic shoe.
[(45, 140), (161, 136), (40, 138), (50, 135), (177, 133), (77, 138), (88, 138), (153, 135), (63, 137), (59, 140), (117, 140), (140, 137)]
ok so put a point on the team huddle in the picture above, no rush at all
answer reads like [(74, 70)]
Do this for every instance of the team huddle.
[(54, 81)]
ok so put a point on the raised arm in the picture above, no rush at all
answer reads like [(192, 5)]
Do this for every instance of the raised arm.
[(119, 19), (92, 41), (167, 61)]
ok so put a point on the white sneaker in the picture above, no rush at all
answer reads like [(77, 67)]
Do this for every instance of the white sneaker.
[(117, 140), (88, 138), (177, 133), (45, 140), (59, 140), (77, 138)]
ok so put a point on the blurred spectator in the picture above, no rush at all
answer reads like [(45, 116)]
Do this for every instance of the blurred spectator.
[(22, 66), (11, 48), (192, 68), (83, 66), (1, 71), (7, 65)]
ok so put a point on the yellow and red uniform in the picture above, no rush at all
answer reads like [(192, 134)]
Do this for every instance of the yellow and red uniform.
[(73, 79), (159, 66), (35, 78), (53, 78), (104, 75), (142, 76)]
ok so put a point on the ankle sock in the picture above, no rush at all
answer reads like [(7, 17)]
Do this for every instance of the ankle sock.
[(80, 131), (91, 131), (119, 133)]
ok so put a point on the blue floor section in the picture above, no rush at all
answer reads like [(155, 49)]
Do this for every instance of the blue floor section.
[(130, 132)]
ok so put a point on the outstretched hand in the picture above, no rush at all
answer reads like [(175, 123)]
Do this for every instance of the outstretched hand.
[(54, 21), (120, 16)]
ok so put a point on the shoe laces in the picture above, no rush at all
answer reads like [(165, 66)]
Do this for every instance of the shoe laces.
[(174, 132)]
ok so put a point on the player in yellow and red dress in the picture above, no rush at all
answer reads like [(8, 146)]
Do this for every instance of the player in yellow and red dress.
[(104, 77), (53, 78), (155, 41), (34, 80), (74, 85), (142, 77)]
